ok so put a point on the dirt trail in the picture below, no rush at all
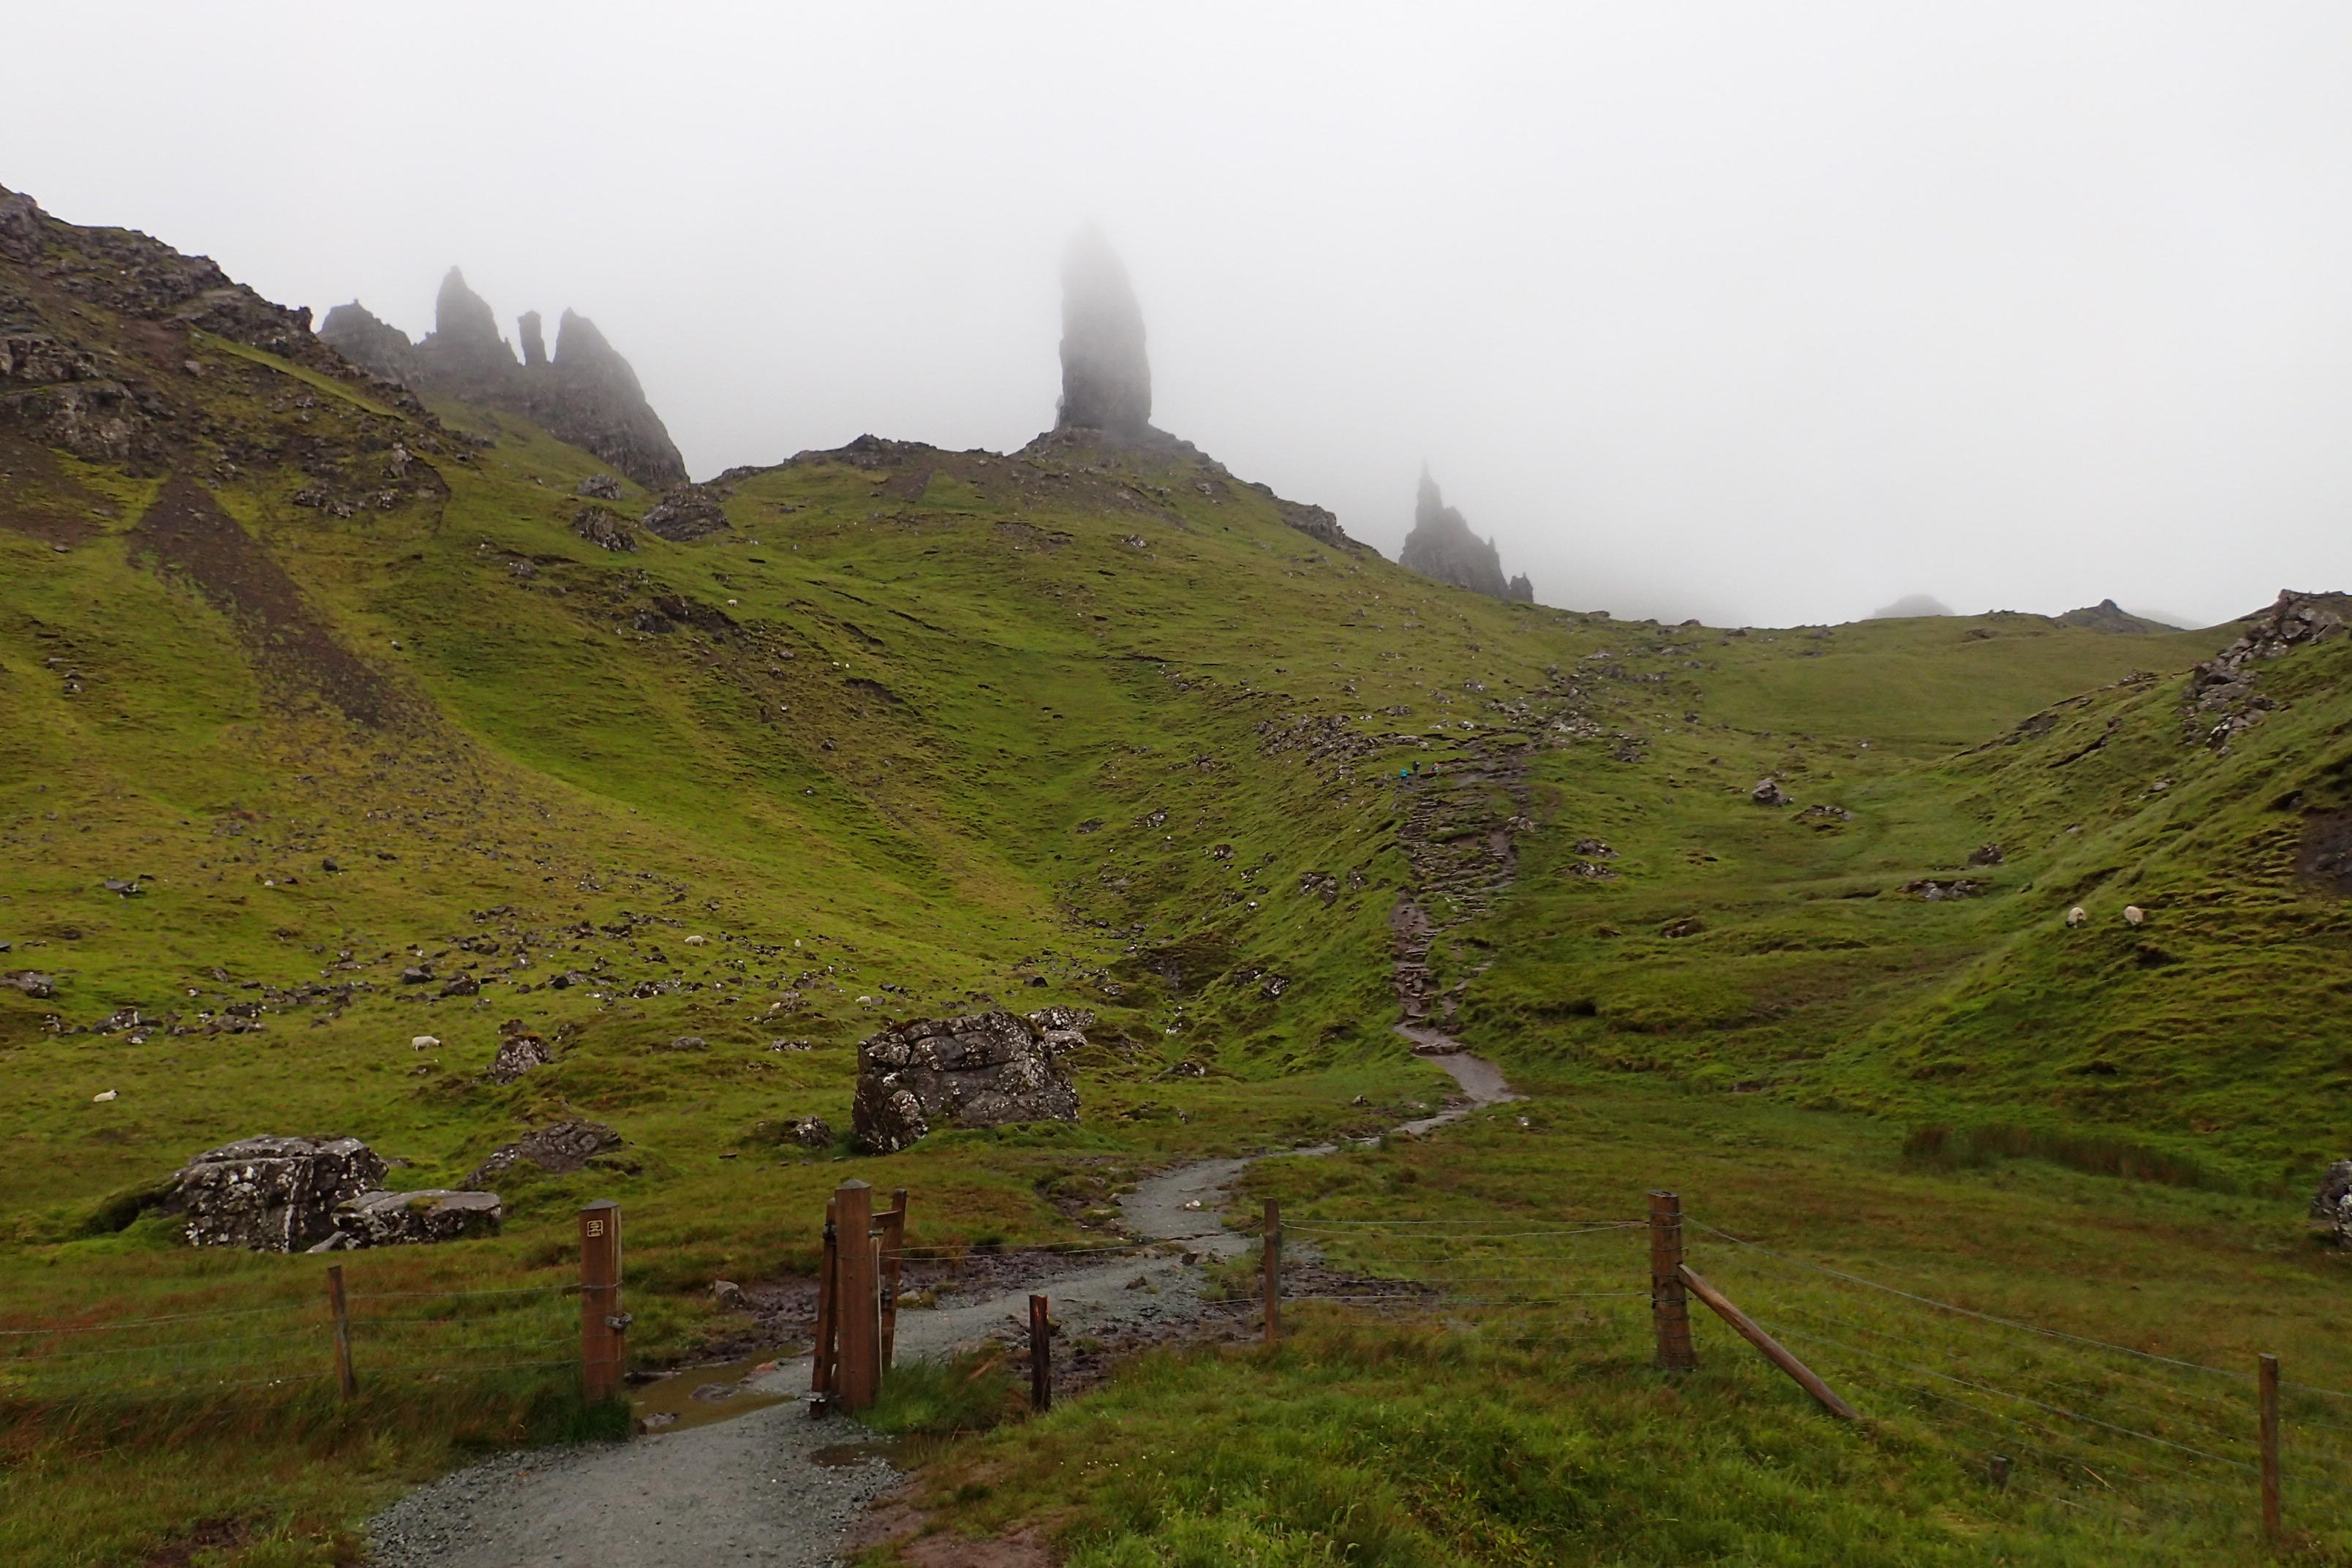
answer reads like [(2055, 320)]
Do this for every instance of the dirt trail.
[(759, 1489), (754, 1490)]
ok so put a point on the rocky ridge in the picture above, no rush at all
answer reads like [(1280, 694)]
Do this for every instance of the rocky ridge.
[(584, 393)]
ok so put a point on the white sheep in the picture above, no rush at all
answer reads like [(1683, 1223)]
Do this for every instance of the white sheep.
[(2134, 914), (2077, 916)]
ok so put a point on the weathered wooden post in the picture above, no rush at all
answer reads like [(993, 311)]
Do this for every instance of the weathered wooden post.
[(1748, 1328), (604, 1326), (894, 1243), (1272, 1267), (857, 1377), (1041, 1354), (828, 1313), (2269, 1385), (1669, 1303), (345, 1379)]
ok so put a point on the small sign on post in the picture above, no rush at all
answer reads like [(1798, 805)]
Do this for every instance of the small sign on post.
[(604, 1326), (1669, 1304)]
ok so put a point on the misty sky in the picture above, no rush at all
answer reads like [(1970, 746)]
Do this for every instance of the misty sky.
[(1763, 312)]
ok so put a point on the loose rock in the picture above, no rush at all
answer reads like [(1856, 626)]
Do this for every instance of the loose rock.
[(556, 1149)]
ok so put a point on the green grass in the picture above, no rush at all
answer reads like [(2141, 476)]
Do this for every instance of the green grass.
[(922, 730)]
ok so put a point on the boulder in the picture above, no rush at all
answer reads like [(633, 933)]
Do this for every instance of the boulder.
[(604, 528), (519, 1050), (1768, 792), (2332, 1204), (403, 1219), (601, 486), (981, 1070), (271, 1195), (564, 1146), (33, 982)]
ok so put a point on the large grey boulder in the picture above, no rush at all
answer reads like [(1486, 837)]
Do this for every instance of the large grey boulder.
[(272, 1194), (981, 1070)]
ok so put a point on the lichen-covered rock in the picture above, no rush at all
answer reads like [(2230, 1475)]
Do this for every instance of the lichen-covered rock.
[(604, 528), (2223, 700), (1768, 792), (981, 1070), (519, 1050), (601, 486), (561, 1147), (272, 1194), (404, 1219), (2332, 1204)]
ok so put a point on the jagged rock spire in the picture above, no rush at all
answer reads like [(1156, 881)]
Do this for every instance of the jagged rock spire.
[(1106, 377), (1441, 545), (585, 395)]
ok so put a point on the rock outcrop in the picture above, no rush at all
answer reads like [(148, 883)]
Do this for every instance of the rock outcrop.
[(2107, 616), (1441, 545), (519, 1050), (585, 394), (271, 1195), (564, 1146), (1106, 377), (2223, 700), (981, 1070), (313, 1195)]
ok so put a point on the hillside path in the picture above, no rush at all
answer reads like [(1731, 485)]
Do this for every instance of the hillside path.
[(757, 1488)]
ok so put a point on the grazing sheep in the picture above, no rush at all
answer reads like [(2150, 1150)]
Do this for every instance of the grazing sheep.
[(2077, 916), (2134, 914)]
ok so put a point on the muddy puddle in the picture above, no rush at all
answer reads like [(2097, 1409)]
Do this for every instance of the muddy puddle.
[(700, 1395)]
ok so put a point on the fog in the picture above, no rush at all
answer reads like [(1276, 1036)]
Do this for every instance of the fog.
[(1761, 314)]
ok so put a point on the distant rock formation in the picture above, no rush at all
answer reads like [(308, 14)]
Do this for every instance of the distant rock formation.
[(2107, 616), (587, 394), (1910, 606), (1441, 545), (1106, 378)]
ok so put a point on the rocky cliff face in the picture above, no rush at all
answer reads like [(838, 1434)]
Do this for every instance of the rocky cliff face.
[(585, 395), (1106, 379), (1441, 545)]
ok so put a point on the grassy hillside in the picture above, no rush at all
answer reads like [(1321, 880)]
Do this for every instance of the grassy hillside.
[(334, 683)]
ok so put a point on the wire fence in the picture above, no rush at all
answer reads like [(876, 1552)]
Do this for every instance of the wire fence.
[(409, 1334), (2066, 1417)]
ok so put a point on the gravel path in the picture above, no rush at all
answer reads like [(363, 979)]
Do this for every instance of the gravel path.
[(749, 1490)]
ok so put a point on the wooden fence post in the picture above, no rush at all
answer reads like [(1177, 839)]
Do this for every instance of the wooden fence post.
[(1272, 1265), (1041, 1354), (1669, 1306), (603, 1324), (345, 1379), (857, 1375), (2269, 1385), (894, 1243), (828, 1314), (1774, 1352)]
